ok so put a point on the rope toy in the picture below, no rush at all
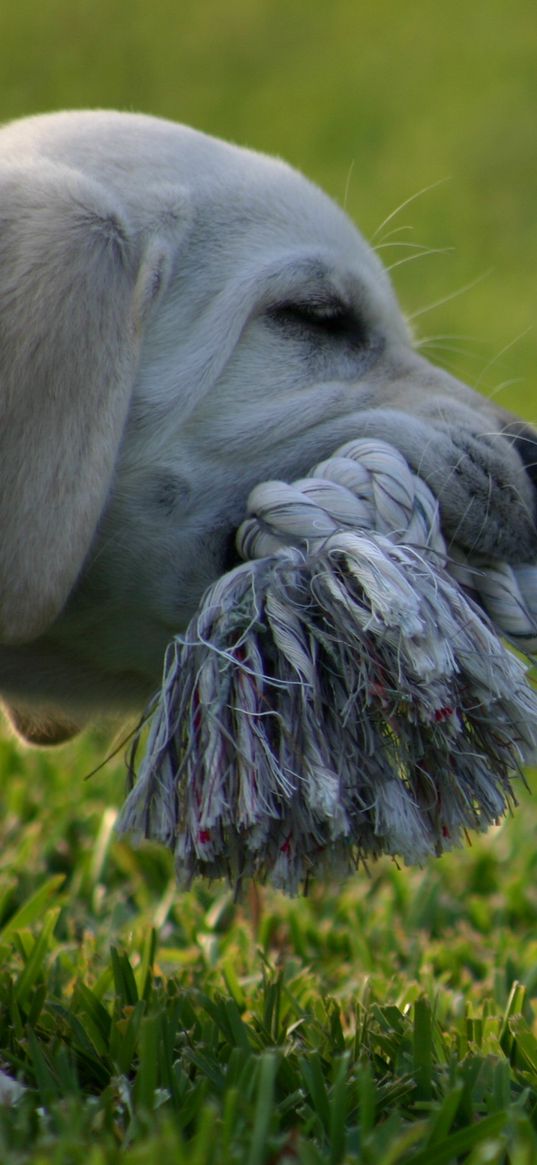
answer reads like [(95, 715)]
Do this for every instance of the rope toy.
[(340, 694)]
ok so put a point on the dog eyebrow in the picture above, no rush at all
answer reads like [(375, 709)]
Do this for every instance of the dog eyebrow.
[(307, 280)]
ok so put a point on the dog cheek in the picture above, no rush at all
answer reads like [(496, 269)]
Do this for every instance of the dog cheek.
[(169, 494)]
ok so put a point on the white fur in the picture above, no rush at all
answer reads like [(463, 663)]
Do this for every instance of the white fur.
[(147, 382)]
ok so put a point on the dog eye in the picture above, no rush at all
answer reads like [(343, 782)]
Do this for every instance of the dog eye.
[(332, 319)]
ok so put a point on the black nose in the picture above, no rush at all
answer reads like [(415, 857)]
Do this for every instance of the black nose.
[(524, 439)]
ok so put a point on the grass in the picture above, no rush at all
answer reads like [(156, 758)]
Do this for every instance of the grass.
[(387, 1021), (391, 1021)]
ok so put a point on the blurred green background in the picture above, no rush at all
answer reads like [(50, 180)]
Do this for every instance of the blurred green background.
[(375, 101)]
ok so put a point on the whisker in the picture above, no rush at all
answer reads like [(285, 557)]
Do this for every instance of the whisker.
[(398, 243), (452, 295), (408, 202), (486, 509), (390, 234), (468, 507), (453, 349), (420, 255), (454, 534), (492, 393), (506, 348), (445, 342), (449, 336), (498, 433), (348, 183)]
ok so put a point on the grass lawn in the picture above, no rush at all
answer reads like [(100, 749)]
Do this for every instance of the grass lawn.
[(392, 1020), (387, 1021)]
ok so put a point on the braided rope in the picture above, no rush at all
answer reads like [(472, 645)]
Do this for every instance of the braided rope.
[(368, 485), (340, 694)]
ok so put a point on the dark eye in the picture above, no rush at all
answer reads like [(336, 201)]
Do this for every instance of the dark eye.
[(332, 319)]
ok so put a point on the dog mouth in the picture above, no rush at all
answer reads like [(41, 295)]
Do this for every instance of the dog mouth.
[(483, 511), (230, 557)]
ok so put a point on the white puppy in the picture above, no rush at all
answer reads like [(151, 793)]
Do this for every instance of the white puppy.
[(180, 319)]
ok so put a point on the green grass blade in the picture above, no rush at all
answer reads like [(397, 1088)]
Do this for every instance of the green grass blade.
[(264, 1108), (339, 1105), (423, 1049), (124, 979), (443, 1119), (35, 963), (32, 910), (463, 1141), (313, 1076)]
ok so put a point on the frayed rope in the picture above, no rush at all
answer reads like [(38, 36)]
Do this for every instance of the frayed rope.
[(340, 694)]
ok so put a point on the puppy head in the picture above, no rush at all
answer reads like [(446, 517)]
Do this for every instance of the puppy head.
[(182, 319)]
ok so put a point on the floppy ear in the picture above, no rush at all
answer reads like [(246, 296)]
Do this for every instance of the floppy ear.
[(73, 285)]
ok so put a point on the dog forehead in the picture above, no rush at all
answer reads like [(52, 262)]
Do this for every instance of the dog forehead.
[(119, 145), (135, 153)]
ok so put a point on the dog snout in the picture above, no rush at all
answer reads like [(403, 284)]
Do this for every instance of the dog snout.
[(524, 439)]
